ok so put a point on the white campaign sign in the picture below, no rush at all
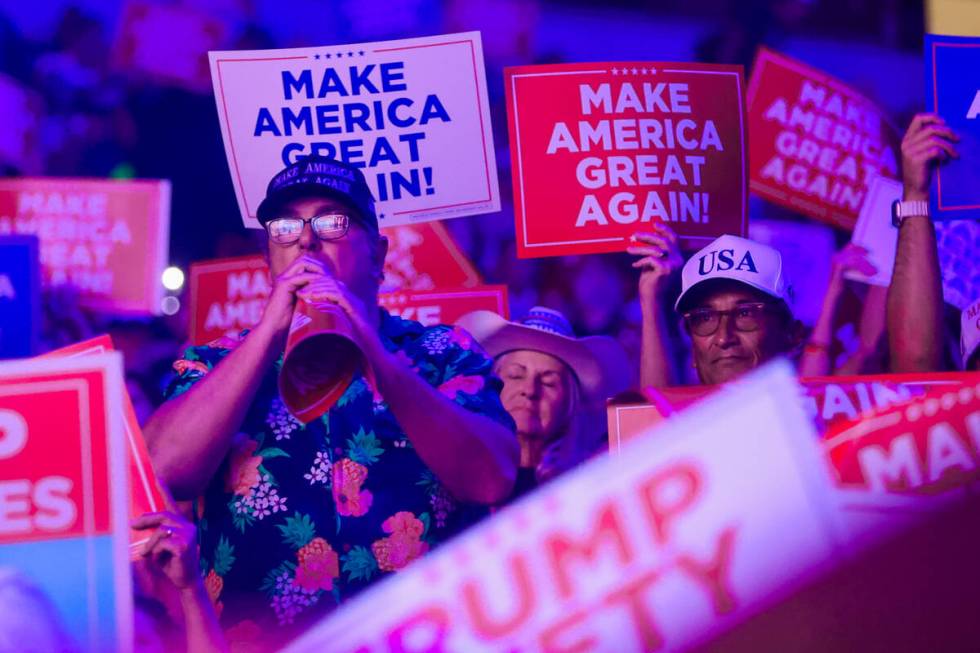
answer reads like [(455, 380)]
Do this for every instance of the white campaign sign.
[(701, 526), (874, 231), (413, 113)]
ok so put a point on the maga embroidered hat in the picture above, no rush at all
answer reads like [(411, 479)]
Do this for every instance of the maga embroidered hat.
[(313, 176)]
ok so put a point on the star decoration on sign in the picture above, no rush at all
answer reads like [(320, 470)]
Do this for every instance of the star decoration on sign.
[(634, 71)]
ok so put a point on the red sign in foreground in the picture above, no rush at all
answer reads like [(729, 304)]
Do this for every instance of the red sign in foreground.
[(923, 447), (145, 494), (829, 400), (816, 143), (600, 151), (108, 239), (897, 445), (63, 514), (65, 488)]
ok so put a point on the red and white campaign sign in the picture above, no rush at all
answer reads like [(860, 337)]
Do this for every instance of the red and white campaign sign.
[(145, 493), (828, 400), (168, 43), (413, 114), (816, 143), (600, 150), (890, 469), (926, 446), (423, 257), (894, 465), (108, 239), (227, 296), (694, 531), (59, 427), (63, 517), (445, 305)]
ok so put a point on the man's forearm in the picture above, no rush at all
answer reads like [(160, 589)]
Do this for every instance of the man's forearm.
[(472, 455), (915, 300), (189, 436)]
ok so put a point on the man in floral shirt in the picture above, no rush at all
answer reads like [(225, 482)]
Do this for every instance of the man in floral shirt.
[(295, 519)]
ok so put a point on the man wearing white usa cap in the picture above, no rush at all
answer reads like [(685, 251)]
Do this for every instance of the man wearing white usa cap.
[(970, 336), (735, 303)]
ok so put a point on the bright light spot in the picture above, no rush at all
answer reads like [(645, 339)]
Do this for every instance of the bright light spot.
[(170, 305), (173, 278)]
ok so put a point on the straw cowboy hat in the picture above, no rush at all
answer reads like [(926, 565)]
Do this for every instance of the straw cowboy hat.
[(599, 362)]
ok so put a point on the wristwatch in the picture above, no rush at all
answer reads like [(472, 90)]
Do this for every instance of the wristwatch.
[(902, 210)]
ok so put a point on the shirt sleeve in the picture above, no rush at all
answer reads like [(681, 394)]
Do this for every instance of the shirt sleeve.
[(192, 366), (468, 378)]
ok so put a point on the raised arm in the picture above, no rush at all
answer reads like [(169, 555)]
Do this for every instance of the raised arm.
[(915, 297), (171, 553), (815, 360), (189, 435), (871, 328), (660, 260)]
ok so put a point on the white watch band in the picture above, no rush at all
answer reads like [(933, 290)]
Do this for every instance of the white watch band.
[(913, 208)]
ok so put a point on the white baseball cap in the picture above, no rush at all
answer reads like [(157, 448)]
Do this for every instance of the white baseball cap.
[(970, 331), (737, 259)]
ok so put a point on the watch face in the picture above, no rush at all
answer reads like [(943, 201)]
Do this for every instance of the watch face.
[(896, 218)]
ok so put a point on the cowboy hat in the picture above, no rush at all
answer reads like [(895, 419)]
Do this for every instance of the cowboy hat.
[(599, 362)]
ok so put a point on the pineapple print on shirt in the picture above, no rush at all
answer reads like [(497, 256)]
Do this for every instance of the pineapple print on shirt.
[(301, 517)]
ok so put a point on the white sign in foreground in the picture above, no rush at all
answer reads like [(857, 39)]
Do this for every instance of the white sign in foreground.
[(692, 532), (412, 113)]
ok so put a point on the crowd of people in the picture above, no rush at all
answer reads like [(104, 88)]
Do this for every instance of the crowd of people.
[(276, 522), (295, 518)]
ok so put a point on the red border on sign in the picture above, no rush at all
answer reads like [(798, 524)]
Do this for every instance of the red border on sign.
[(935, 105), (520, 159), (224, 108), (100, 345), (79, 387), (479, 107)]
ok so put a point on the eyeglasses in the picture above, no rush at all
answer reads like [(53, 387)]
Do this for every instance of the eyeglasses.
[(748, 317), (330, 226)]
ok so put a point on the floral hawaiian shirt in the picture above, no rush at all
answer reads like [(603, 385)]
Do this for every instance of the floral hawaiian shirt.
[(299, 518)]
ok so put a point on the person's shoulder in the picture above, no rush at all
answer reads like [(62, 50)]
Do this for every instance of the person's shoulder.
[(433, 339), (201, 358), (397, 327)]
